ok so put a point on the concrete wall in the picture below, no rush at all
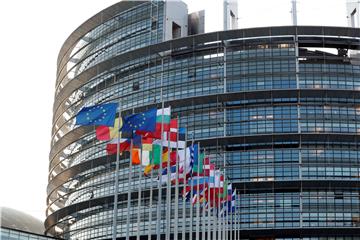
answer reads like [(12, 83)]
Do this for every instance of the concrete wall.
[(230, 14), (196, 22), (353, 13), (175, 12)]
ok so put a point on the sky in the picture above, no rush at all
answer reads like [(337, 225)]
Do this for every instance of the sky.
[(32, 33)]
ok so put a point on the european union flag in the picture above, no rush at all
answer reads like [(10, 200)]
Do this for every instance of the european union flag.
[(145, 121), (102, 114)]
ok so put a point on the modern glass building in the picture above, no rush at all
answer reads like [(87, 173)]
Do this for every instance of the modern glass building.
[(277, 107), (15, 225)]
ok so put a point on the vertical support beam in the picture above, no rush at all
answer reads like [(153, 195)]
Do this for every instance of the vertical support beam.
[(225, 16), (225, 88), (116, 183), (293, 12)]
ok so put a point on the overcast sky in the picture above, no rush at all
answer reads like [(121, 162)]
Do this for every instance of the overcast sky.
[(32, 33)]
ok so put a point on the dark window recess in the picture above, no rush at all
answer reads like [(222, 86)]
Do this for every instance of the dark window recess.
[(153, 25), (191, 73), (176, 30), (339, 195), (136, 86)]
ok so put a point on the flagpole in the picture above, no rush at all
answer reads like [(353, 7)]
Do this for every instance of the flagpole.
[(204, 222), (176, 201), (219, 211), (221, 218), (223, 213), (209, 203), (215, 220), (239, 216), (168, 190), (226, 211), (139, 194), (234, 216), (225, 182), (151, 199), (202, 208), (198, 195), (183, 232), (236, 219), (231, 217), (158, 214), (129, 190), (114, 233), (191, 190), (227, 214)]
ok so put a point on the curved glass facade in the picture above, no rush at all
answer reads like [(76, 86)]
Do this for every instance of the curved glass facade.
[(280, 107)]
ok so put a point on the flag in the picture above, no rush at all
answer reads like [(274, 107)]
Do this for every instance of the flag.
[(171, 138), (172, 174), (233, 199), (102, 114), (163, 118), (215, 182), (141, 121), (173, 131), (198, 164), (186, 163), (161, 115), (193, 155), (206, 166), (111, 147), (187, 191), (105, 133), (147, 143), (211, 175), (198, 180), (223, 191), (185, 166), (201, 194), (135, 156), (158, 155), (229, 192), (145, 158)]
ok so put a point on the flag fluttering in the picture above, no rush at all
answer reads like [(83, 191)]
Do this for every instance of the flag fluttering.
[(97, 115), (158, 144)]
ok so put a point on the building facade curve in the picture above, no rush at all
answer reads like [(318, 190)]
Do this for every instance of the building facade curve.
[(281, 106)]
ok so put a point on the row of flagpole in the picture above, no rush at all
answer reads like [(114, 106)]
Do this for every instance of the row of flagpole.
[(211, 219)]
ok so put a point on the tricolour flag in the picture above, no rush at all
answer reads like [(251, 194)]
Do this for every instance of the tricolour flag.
[(156, 157), (162, 120), (102, 114)]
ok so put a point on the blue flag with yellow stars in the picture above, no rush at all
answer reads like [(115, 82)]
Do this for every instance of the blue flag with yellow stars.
[(102, 114), (145, 121)]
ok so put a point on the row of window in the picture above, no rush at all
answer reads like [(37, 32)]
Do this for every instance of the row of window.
[(263, 210), (122, 33), (10, 234)]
